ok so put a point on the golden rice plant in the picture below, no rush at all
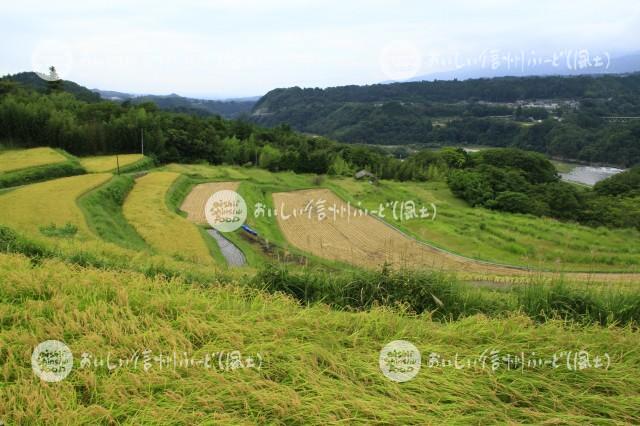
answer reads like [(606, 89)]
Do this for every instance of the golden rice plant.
[(25, 158), (165, 231)]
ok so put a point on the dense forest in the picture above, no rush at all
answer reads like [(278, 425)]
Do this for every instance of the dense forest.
[(525, 182), (559, 116)]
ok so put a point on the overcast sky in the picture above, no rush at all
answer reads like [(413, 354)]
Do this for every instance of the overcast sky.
[(228, 48)]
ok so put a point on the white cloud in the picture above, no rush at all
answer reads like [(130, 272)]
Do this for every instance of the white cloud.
[(245, 47)]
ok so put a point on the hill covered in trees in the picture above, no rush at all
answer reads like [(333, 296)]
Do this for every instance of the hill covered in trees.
[(31, 80), (560, 116), (231, 108)]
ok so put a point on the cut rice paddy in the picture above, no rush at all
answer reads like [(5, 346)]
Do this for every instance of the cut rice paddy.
[(21, 159), (515, 239), (146, 209), (109, 163), (195, 202), (319, 222)]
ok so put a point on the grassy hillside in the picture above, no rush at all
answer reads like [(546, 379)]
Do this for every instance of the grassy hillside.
[(318, 366), (489, 235), (23, 166), (108, 265), (496, 236)]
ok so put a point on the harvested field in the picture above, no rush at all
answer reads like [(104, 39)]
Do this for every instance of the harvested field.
[(194, 203), (369, 242)]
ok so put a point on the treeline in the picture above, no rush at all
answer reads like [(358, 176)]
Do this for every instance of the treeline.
[(517, 181), (458, 113), (29, 118)]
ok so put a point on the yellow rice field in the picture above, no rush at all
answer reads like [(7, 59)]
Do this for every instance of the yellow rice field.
[(107, 163), (195, 202), (25, 158), (162, 229), (53, 202), (350, 236)]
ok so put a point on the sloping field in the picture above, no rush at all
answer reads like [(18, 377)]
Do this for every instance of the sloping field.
[(319, 366), (53, 202), (22, 159), (514, 239), (107, 163), (194, 203), (168, 233), (366, 241)]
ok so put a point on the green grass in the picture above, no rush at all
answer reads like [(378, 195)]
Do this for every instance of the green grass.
[(517, 239), (318, 366), (444, 297), (102, 208)]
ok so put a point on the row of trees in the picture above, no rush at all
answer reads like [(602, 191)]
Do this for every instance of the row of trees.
[(29, 118), (524, 182)]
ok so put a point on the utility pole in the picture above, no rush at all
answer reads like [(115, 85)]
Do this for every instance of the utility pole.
[(118, 164), (142, 142)]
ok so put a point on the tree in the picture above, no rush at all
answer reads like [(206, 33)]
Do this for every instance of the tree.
[(270, 158), (54, 83)]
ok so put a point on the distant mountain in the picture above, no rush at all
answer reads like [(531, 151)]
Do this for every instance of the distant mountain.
[(31, 79), (228, 108), (617, 65), (426, 112)]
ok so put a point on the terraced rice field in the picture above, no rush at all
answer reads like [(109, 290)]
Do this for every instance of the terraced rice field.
[(168, 233), (195, 202), (108, 163), (365, 241), (514, 239), (31, 207), (25, 158)]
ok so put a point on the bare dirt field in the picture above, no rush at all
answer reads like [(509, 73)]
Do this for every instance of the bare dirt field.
[(194, 203), (346, 235)]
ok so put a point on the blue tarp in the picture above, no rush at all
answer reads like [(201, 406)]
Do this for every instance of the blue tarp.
[(249, 230)]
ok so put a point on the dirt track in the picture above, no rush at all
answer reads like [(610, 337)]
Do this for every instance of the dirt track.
[(369, 242)]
